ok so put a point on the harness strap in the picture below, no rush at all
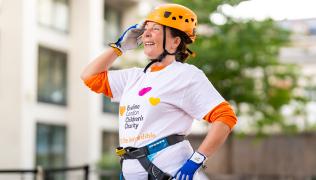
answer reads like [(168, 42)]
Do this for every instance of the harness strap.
[(154, 172), (141, 155), (163, 54)]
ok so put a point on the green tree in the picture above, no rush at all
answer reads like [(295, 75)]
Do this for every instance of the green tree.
[(109, 166), (240, 58)]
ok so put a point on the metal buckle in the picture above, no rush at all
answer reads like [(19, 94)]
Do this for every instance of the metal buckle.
[(120, 151)]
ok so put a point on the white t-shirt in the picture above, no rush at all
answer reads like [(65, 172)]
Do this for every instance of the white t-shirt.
[(156, 104)]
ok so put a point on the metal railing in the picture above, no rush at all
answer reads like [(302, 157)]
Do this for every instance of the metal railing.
[(46, 174)]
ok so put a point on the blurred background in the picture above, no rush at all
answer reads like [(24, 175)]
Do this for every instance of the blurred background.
[(259, 54)]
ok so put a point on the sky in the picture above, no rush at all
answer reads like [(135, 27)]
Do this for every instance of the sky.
[(276, 9)]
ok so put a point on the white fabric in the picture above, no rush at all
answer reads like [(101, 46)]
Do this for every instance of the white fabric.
[(169, 160), (158, 104), (132, 38)]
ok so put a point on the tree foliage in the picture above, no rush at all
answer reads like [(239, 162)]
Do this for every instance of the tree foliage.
[(240, 58)]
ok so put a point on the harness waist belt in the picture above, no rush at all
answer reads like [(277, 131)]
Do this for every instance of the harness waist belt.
[(142, 153), (156, 146)]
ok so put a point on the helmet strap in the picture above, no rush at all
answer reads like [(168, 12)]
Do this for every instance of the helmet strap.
[(163, 54)]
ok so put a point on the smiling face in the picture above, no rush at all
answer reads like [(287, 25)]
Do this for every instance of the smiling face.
[(153, 40)]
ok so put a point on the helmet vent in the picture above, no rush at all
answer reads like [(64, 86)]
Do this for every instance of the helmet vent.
[(174, 18), (180, 17), (192, 19), (167, 14), (186, 20)]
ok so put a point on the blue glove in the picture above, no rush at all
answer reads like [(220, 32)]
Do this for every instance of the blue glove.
[(130, 39), (187, 171)]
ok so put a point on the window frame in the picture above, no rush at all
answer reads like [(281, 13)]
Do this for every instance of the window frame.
[(52, 57), (118, 13), (53, 13), (52, 131)]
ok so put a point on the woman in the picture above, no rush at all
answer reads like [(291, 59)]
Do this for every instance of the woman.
[(158, 103)]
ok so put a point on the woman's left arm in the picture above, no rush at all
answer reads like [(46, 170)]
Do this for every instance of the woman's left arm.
[(223, 119), (215, 137)]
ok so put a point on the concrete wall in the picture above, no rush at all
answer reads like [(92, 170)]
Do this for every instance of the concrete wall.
[(274, 157), (10, 82)]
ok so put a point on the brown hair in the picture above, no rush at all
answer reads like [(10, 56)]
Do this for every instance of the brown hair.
[(181, 53)]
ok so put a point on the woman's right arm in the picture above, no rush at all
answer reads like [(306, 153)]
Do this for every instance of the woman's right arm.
[(130, 39), (100, 64)]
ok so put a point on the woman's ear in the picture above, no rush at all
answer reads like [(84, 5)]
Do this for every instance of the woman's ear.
[(176, 42)]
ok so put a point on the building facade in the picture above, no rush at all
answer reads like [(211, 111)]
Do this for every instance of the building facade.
[(302, 52), (47, 116)]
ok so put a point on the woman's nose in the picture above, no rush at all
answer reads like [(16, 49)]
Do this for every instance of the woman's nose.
[(147, 33)]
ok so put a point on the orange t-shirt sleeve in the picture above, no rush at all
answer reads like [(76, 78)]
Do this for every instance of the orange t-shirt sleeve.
[(223, 112), (99, 83)]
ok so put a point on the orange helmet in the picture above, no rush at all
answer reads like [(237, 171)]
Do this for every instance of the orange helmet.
[(175, 16)]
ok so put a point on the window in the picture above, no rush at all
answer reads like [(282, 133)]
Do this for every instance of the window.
[(311, 93), (112, 23), (110, 107), (312, 30), (52, 77), (51, 148), (109, 161), (54, 14), (312, 27), (109, 141)]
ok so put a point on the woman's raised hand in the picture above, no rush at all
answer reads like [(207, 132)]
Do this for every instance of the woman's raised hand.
[(130, 39)]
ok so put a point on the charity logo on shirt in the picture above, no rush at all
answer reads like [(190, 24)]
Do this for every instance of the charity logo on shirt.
[(133, 117)]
